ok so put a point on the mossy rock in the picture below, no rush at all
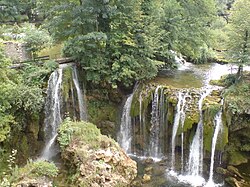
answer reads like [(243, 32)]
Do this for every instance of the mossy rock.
[(89, 156), (100, 111), (39, 173), (171, 113), (146, 100), (222, 138), (173, 100), (190, 121), (236, 158), (208, 131)]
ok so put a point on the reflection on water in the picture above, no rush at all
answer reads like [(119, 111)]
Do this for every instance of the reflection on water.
[(195, 76)]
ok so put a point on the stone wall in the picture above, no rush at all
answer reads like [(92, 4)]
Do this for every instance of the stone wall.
[(16, 51)]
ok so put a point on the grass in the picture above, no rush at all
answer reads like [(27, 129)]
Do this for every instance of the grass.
[(53, 52)]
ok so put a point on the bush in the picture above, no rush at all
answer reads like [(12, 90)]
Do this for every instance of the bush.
[(38, 169), (36, 39), (86, 132)]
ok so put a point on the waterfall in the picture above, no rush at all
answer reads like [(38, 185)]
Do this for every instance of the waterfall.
[(54, 110), (218, 126), (154, 147), (182, 121), (142, 125), (195, 163), (73, 101), (179, 118), (175, 127), (52, 113), (82, 105), (125, 135)]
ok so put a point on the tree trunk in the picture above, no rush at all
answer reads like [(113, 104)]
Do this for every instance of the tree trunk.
[(239, 73)]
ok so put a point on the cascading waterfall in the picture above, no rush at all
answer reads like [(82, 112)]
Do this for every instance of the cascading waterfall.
[(182, 121), (53, 108), (175, 127), (73, 101), (125, 135), (82, 105), (142, 124), (218, 126), (154, 147), (195, 163), (179, 119), (52, 112)]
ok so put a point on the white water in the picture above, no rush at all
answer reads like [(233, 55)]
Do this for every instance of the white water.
[(73, 101), (179, 112), (154, 148), (52, 112), (218, 125), (53, 106), (125, 135), (82, 105), (182, 121), (195, 163), (142, 126)]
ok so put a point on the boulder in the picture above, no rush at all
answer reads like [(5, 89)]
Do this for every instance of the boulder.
[(146, 178), (97, 160)]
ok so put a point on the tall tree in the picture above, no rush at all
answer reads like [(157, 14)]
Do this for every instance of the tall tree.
[(106, 37), (239, 34), (187, 25)]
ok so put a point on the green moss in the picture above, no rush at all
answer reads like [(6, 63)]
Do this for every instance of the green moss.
[(237, 158), (54, 52), (208, 132), (39, 169), (24, 147), (171, 113), (173, 100), (67, 81), (190, 121), (135, 106), (239, 104), (87, 133), (101, 110), (222, 138)]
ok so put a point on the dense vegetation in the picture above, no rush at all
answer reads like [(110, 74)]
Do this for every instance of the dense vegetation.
[(116, 43)]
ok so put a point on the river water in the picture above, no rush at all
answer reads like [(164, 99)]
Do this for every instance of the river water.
[(187, 76)]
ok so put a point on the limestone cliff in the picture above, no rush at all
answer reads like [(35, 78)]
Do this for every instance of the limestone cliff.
[(94, 159)]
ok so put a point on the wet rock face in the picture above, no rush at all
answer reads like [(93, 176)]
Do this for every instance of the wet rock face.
[(233, 176)]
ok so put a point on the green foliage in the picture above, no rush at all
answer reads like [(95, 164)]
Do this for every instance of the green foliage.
[(225, 81), (21, 93), (107, 38), (239, 32), (101, 110), (65, 133), (7, 175), (35, 38), (31, 170), (82, 131), (39, 168), (18, 11), (186, 25), (237, 97)]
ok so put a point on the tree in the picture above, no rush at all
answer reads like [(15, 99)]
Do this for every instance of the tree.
[(106, 37), (35, 38), (17, 10), (239, 34), (187, 26), (21, 94)]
